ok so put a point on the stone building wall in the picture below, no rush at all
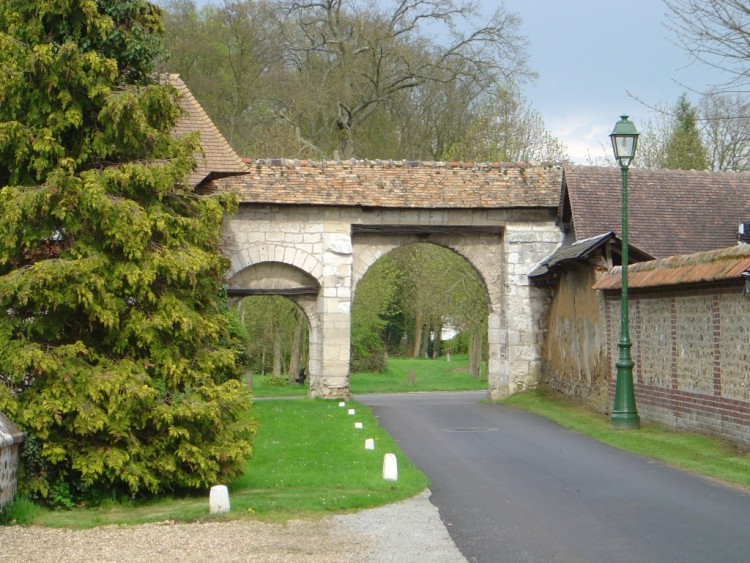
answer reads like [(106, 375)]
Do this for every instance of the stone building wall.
[(10, 440), (320, 245), (575, 360)]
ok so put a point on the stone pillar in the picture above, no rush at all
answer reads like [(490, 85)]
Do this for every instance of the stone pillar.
[(497, 364), (334, 312), (10, 441), (526, 244)]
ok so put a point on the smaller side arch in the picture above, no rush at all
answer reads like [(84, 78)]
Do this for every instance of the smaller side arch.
[(256, 254)]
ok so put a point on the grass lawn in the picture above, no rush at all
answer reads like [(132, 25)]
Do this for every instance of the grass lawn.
[(705, 455), (429, 375), (309, 459)]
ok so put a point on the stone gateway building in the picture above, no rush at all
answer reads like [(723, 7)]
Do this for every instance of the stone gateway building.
[(310, 231)]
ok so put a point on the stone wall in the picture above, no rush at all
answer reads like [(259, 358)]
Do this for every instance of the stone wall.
[(10, 439), (691, 349)]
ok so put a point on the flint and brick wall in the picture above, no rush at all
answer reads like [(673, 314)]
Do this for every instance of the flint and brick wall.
[(691, 348)]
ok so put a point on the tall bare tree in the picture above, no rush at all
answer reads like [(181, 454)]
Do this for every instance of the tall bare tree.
[(326, 77), (505, 128), (726, 134), (715, 33)]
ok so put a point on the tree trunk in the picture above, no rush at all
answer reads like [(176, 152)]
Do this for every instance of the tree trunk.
[(296, 353), (417, 335), (437, 345), (424, 352), (476, 344), (276, 351)]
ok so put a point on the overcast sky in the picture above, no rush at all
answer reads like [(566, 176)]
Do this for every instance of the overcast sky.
[(589, 55)]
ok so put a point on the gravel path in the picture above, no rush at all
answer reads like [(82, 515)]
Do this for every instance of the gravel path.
[(410, 530)]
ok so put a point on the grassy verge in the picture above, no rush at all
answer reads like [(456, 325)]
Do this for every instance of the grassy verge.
[(309, 459), (705, 455), (270, 386)]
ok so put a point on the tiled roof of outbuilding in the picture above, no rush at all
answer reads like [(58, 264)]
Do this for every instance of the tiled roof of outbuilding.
[(710, 266), (670, 211), (218, 158), (581, 250), (396, 184), (9, 433)]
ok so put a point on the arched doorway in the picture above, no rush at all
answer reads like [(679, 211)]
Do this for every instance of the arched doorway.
[(409, 300), (278, 279)]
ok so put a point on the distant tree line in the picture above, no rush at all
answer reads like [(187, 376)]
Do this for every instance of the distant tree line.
[(407, 299)]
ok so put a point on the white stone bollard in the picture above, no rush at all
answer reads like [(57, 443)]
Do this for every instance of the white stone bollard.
[(358, 425), (218, 500), (342, 404), (351, 412), (390, 467), (369, 444)]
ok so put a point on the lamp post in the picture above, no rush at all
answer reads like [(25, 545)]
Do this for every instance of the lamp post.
[(624, 414)]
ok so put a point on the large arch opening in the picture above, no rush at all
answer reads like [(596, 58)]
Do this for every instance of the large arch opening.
[(420, 302)]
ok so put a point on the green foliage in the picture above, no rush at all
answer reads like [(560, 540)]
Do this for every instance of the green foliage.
[(115, 350), (19, 511), (269, 322), (374, 301)]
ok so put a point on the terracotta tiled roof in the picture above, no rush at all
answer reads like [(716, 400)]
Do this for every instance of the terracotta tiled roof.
[(401, 184), (218, 158), (711, 266), (670, 211)]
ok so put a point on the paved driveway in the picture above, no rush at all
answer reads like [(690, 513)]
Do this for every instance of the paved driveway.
[(512, 486)]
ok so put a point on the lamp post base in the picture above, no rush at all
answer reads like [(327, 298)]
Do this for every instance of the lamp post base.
[(625, 421)]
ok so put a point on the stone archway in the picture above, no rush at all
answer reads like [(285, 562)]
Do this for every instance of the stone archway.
[(481, 247), (373, 251), (300, 287)]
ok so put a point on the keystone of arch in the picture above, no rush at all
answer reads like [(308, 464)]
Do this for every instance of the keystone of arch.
[(277, 253)]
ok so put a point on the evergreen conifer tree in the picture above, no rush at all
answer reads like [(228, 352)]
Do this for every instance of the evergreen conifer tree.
[(684, 149), (116, 356)]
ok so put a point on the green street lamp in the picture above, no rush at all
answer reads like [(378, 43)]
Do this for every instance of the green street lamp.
[(624, 414)]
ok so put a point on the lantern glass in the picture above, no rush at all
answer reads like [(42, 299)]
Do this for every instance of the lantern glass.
[(624, 141)]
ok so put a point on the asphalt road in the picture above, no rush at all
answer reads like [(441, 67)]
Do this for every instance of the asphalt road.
[(513, 486)]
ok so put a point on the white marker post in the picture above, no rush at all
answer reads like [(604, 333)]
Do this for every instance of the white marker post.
[(390, 467), (218, 500)]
